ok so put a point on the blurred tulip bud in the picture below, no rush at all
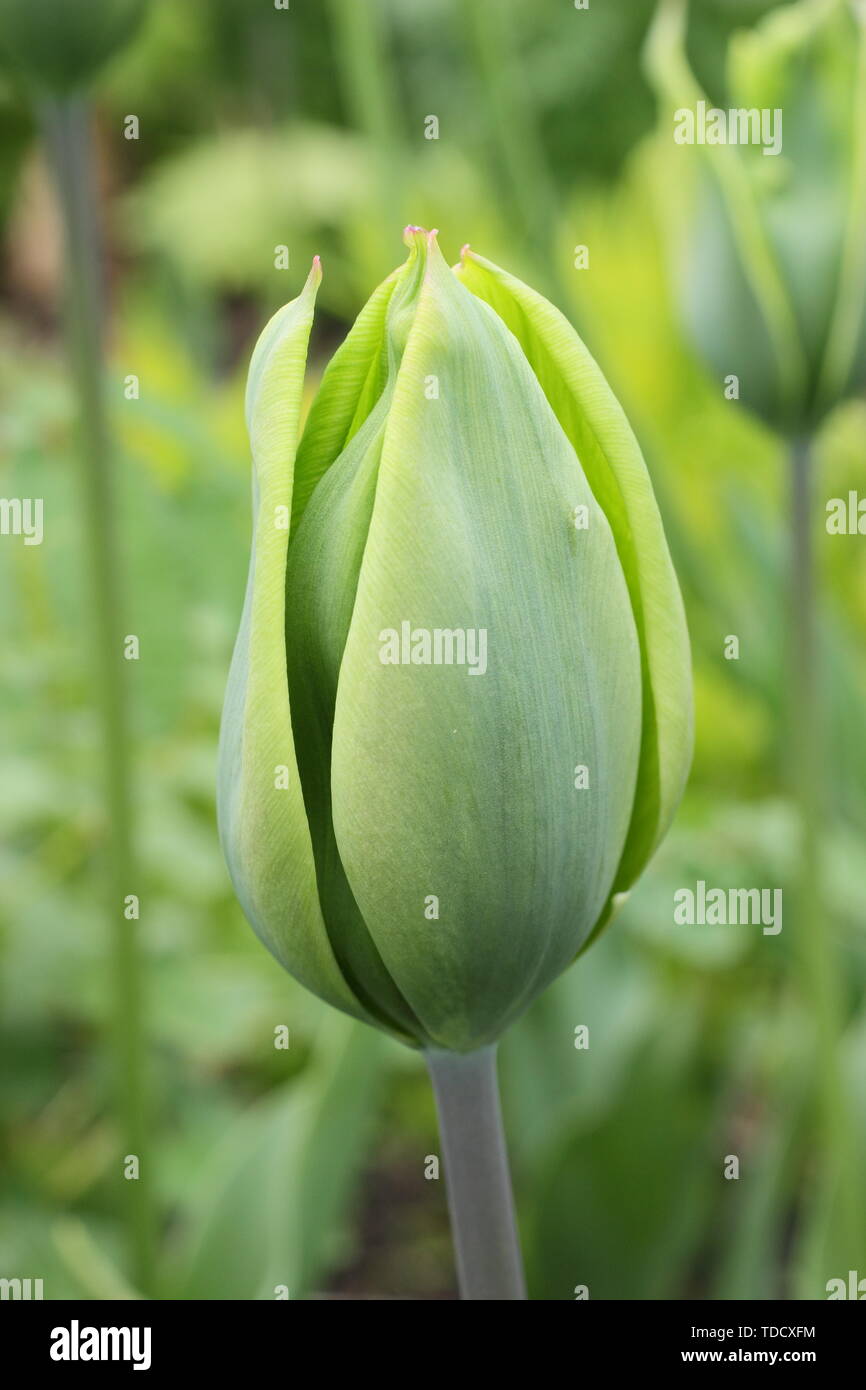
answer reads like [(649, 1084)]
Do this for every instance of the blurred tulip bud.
[(59, 45), (767, 231), (458, 718)]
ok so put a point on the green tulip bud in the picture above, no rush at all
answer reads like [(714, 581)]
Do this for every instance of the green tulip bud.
[(60, 45), (458, 718), (767, 234)]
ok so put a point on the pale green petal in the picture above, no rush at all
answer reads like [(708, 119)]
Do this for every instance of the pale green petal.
[(325, 554), (350, 387), (324, 560), (458, 785), (593, 420), (263, 827)]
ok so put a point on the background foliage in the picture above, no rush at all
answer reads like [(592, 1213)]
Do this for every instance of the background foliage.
[(305, 1167)]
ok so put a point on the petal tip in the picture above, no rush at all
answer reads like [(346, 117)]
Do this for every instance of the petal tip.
[(413, 235)]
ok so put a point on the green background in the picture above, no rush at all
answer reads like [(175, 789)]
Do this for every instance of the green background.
[(305, 1167)]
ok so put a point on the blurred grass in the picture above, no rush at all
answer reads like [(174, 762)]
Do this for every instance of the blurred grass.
[(699, 1038)]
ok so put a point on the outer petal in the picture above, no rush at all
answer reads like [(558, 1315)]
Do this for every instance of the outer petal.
[(325, 554), (593, 420), (462, 786), (263, 827)]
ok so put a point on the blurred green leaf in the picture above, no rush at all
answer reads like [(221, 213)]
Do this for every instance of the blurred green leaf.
[(279, 1191), (619, 1204)]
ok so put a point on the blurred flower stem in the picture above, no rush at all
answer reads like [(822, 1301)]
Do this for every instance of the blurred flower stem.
[(66, 126), (476, 1172), (745, 299), (368, 88), (816, 952), (513, 127)]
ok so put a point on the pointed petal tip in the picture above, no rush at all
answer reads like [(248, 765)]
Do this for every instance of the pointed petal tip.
[(413, 235), (466, 254)]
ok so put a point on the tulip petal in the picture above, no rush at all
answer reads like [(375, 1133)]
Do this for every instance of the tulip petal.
[(324, 560), (263, 824), (350, 387), (325, 556), (462, 786), (595, 423)]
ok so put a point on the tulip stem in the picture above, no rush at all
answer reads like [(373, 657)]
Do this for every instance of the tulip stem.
[(815, 945), (361, 41), (66, 129), (495, 47), (476, 1172)]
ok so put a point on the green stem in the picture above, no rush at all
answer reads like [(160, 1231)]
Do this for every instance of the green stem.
[(495, 47), (816, 953), (476, 1173), (367, 81), (66, 126)]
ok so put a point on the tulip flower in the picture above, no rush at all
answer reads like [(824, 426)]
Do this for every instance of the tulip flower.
[(766, 206), (767, 243), (458, 718)]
